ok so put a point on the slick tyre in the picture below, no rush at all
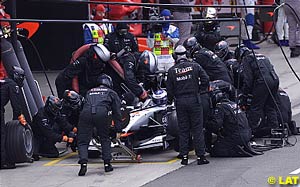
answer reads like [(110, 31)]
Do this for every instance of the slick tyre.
[(19, 142)]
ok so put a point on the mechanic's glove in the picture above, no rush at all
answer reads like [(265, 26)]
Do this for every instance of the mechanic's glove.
[(70, 140), (72, 134), (67, 139), (113, 56), (118, 136), (75, 130), (144, 96), (22, 120)]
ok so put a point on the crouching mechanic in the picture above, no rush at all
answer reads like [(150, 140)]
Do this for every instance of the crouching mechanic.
[(48, 127), (10, 91), (183, 86), (99, 102), (231, 126), (72, 104)]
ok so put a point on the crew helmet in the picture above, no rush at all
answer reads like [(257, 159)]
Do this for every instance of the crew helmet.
[(53, 105), (105, 80), (241, 51), (18, 75), (221, 49), (72, 99), (148, 62), (179, 53), (191, 44), (102, 52)]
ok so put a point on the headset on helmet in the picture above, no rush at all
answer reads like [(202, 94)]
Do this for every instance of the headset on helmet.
[(225, 87), (221, 49), (147, 62), (72, 100), (101, 52), (191, 44), (53, 105), (217, 96), (18, 75), (241, 51), (159, 97), (105, 80)]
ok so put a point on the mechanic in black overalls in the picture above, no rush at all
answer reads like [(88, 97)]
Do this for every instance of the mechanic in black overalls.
[(48, 127), (208, 32), (209, 61), (98, 102), (231, 125), (115, 42), (261, 81), (87, 67), (10, 90), (72, 104), (184, 83)]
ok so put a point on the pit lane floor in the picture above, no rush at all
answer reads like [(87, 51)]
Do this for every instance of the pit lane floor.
[(161, 167)]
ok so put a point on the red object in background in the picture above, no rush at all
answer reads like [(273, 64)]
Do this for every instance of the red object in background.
[(31, 27), (117, 12), (3, 73), (268, 25), (76, 54)]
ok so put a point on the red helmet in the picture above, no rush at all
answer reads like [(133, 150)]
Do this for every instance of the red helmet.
[(100, 8), (98, 12)]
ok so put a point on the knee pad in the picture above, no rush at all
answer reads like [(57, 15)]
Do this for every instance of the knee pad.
[(249, 19)]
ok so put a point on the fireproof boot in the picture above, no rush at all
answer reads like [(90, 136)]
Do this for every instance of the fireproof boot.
[(108, 167), (184, 160), (83, 169), (8, 165), (295, 52), (202, 160), (250, 45)]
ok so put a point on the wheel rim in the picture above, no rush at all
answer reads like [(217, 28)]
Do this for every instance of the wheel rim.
[(27, 141)]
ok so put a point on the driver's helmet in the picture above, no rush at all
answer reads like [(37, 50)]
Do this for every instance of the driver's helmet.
[(160, 97)]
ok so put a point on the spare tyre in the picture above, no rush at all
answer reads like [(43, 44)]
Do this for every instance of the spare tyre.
[(19, 142)]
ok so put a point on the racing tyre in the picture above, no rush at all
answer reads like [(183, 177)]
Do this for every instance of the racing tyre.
[(19, 142)]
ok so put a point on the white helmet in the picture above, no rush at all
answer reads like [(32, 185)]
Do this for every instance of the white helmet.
[(148, 62), (102, 52), (179, 53)]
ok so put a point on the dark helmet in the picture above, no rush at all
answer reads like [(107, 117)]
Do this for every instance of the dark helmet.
[(225, 87), (18, 75), (148, 62), (191, 44), (53, 105), (218, 96), (221, 49), (72, 100), (105, 80), (241, 51), (122, 28)]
